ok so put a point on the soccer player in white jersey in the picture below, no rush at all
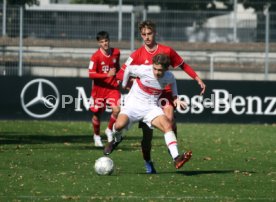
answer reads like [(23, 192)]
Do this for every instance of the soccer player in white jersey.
[(141, 104), (144, 55)]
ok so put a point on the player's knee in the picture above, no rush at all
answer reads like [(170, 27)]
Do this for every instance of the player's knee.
[(169, 112), (170, 116), (119, 126), (95, 118)]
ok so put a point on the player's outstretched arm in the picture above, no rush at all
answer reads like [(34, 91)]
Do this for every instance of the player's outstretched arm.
[(125, 78), (95, 75), (120, 73), (201, 84), (133, 71), (185, 67)]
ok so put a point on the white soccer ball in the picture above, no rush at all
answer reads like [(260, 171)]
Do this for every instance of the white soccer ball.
[(104, 166)]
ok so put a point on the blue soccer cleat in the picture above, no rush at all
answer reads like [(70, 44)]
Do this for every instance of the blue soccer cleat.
[(149, 167)]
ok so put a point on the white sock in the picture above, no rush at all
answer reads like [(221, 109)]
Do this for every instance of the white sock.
[(171, 143), (98, 137)]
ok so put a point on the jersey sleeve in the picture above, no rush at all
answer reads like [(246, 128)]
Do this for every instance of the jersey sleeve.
[(125, 77), (92, 64), (120, 73), (92, 68), (117, 65), (134, 71), (186, 68), (129, 61), (176, 59)]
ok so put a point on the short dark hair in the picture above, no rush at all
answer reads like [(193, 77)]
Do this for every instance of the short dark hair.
[(162, 59), (147, 24), (102, 35)]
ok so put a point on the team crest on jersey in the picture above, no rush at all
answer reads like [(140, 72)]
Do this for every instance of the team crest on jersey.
[(105, 68), (146, 61), (114, 60), (102, 63)]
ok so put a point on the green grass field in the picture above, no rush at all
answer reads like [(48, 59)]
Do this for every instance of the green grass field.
[(53, 161)]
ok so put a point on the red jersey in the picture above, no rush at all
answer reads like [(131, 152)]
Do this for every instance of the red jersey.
[(101, 64), (143, 56)]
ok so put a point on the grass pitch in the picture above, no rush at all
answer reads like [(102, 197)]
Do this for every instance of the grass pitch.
[(53, 161)]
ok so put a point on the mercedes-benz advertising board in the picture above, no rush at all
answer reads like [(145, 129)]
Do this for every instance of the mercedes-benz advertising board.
[(69, 99)]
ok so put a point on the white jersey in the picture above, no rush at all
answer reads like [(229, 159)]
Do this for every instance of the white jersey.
[(141, 103), (146, 87)]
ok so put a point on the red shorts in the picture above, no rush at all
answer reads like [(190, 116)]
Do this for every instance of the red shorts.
[(102, 97), (166, 98)]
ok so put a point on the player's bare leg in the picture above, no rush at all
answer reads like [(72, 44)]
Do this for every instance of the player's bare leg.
[(169, 112), (121, 122), (96, 124), (163, 124), (112, 120)]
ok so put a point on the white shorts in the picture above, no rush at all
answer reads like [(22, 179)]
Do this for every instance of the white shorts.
[(137, 111)]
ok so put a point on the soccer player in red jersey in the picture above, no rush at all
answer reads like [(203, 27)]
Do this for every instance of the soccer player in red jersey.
[(104, 64), (143, 55)]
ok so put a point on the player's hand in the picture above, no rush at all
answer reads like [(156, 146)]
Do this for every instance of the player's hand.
[(111, 72), (180, 104), (201, 84)]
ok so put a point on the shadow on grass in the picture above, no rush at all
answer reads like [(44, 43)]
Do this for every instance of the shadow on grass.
[(202, 172), (42, 139), (207, 172), (19, 138), (92, 147)]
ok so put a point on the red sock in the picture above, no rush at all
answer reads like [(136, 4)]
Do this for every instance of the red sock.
[(96, 126), (112, 120)]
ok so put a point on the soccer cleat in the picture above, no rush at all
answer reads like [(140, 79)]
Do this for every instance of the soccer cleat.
[(118, 136), (149, 167), (109, 134), (110, 146), (98, 141), (180, 160)]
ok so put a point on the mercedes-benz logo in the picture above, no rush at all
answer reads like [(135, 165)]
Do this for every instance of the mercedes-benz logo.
[(49, 103)]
